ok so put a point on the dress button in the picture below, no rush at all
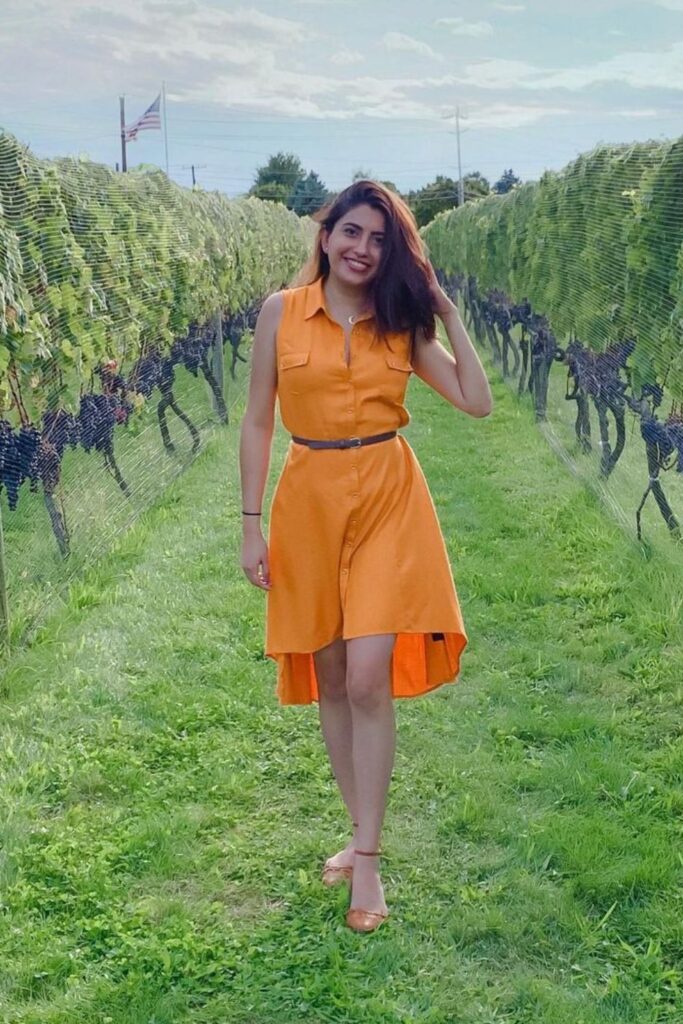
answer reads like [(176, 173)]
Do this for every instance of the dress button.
[(344, 572)]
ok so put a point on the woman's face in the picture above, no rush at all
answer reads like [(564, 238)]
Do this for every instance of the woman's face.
[(354, 246)]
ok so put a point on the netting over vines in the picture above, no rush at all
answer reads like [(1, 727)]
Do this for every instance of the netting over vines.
[(574, 286), (124, 299)]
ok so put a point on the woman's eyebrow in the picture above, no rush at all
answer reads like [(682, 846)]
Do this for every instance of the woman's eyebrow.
[(350, 224)]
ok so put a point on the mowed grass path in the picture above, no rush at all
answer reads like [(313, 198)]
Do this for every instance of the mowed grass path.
[(164, 820)]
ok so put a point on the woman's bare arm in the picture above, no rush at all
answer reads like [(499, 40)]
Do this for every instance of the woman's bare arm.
[(256, 438), (460, 377)]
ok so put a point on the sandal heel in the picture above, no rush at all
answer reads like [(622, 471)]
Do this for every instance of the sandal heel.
[(365, 920)]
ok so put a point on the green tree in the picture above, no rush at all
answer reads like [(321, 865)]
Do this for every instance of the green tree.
[(277, 180), (361, 173), (506, 182), (309, 195), (442, 194)]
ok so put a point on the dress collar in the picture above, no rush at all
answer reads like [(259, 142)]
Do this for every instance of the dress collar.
[(315, 300)]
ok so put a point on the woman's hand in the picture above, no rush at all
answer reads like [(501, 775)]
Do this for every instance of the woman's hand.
[(441, 304), (255, 560)]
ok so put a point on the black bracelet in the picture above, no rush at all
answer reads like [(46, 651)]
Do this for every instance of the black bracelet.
[(251, 513)]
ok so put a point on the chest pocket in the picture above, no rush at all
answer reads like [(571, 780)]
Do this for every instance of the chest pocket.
[(396, 376), (294, 374)]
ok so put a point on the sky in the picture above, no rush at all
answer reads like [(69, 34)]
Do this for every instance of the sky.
[(346, 85)]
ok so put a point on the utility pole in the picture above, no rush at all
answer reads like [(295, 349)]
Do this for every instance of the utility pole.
[(459, 132), (188, 167), (123, 132), (461, 187)]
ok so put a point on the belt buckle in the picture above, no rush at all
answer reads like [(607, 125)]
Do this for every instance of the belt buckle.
[(354, 442)]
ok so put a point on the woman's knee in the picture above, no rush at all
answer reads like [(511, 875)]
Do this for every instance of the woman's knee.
[(368, 669), (330, 669)]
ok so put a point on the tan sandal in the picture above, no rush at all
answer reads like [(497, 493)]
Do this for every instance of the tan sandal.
[(365, 920), (334, 875)]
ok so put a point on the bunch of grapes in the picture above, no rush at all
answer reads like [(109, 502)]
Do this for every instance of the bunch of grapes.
[(597, 373), (521, 314), (97, 417), (166, 375), (656, 433), (146, 373), (17, 459), (61, 428), (674, 426), (191, 350), (653, 391)]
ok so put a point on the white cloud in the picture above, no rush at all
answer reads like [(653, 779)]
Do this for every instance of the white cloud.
[(345, 57), (511, 115), (499, 73), (649, 69), (652, 112), (645, 69), (243, 58), (461, 27), (399, 41)]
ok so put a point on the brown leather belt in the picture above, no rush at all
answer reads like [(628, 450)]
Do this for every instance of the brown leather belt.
[(346, 442)]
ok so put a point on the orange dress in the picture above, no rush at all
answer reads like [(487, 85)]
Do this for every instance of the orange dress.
[(355, 546)]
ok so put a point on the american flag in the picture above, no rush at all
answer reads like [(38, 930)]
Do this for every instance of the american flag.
[(150, 119)]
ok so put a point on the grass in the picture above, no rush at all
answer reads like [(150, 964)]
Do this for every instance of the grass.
[(163, 820), (92, 504)]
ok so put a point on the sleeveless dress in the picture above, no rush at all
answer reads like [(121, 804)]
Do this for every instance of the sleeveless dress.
[(355, 546)]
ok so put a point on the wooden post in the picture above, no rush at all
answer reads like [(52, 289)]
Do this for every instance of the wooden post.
[(4, 602), (217, 359)]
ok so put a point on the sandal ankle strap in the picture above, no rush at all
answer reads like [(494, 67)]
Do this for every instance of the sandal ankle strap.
[(368, 853)]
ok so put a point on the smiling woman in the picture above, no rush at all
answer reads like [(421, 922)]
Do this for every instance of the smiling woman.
[(361, 604)]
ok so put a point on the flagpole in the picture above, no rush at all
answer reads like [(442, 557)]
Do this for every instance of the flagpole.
[(123, 132), (163, 91)]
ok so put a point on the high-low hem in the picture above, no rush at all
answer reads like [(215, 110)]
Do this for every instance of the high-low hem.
[(421, 662)]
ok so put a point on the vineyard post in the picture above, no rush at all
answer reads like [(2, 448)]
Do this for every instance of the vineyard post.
[(4, 603), (217, 358)]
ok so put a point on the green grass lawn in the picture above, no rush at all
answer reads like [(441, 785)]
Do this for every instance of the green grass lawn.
[(164, 821)]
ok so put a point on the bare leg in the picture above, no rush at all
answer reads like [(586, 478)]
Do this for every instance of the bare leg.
[(368, 683), (335, 724)]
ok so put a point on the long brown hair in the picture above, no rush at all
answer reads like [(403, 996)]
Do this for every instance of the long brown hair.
[(400, 289)]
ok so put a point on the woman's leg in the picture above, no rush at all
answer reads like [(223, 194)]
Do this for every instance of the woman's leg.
[(368, 684), (335, 724)]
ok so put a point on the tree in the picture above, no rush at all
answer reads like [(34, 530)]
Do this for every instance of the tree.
[(308, 196), (277, 180), (440, 194), (506, 182), (476, 186), (361, 173)]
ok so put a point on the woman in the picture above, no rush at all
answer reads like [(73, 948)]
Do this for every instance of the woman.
[(361, 605)]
